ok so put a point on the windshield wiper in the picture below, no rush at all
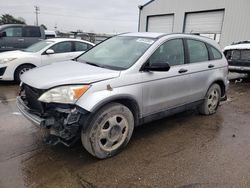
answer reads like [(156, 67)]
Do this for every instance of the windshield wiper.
[(93, 64)]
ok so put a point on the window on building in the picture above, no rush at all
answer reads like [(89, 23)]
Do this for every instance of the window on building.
[(171, 52), (197, 51)]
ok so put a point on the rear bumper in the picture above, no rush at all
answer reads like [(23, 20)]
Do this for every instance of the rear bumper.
[(239, 69), (27, 112)]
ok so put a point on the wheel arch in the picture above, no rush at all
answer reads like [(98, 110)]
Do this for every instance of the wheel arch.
[(222, 86), (127, 101), (22, 65), (14, 73)]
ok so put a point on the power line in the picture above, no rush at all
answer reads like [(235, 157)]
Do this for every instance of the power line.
[(37, 9)]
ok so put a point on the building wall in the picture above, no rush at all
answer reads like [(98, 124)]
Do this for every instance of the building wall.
[(236, 25)]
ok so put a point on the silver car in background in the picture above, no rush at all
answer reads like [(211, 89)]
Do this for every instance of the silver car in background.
[(126, 81)]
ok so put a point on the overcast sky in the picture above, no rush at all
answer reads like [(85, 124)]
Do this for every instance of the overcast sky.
[(104, 16)]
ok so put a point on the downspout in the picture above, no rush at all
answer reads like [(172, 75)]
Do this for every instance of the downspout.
[(139, 22)]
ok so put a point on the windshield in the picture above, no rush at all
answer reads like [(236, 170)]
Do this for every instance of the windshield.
[(38, 46), (117, 53)]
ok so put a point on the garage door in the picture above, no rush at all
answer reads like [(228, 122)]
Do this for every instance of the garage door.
[(204, 22), (162, 24)]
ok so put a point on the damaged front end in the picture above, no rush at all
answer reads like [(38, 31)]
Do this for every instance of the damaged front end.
[(63, 121)]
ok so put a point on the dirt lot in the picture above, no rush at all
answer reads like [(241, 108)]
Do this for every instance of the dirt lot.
[(186, 151)]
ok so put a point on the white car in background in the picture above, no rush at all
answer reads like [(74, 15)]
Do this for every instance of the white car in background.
[(14, 63)]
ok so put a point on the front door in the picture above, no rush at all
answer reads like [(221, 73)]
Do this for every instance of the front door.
[(165, 90), (12, 39), (62, 52)]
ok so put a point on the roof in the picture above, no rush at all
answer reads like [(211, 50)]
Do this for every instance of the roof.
[(238, 46), (146, 4), (143, 34), (67, 39), (170, 35)]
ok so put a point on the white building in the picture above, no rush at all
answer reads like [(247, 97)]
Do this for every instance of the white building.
[(226, 21)]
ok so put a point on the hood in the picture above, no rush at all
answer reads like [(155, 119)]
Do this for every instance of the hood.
[(14, 54), (64, 73)]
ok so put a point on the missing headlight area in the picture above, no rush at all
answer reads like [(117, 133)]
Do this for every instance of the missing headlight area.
[(63, 121)]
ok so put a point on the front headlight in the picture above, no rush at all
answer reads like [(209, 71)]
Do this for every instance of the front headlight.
[(64, 94), (6, 60)]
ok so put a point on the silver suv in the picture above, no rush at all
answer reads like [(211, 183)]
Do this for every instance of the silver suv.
[(121, 83)]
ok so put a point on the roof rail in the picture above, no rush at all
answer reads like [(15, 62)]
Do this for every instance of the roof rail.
[(241, 42)]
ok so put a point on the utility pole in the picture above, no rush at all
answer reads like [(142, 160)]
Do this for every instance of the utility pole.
[(37, 9)]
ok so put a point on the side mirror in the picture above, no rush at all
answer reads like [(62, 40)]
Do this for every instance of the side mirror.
[(159, 67), (3, 34), (50, 51)]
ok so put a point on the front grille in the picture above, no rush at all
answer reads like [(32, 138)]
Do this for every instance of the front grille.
[(31, 96), (2, 70)]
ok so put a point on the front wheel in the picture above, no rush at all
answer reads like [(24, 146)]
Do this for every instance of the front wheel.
[(109, 131), (20, 71), (211, 101)]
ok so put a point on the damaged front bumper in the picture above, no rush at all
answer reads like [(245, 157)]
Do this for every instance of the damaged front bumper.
[(64, 124), (27, 112)]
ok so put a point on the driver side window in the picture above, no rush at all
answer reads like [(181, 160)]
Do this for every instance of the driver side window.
[(13, 32), (171, 52)]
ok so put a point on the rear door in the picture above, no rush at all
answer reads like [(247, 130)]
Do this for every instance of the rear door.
[(32, 34), (165, 90), (63, 52), (79, 48), (13, 38), (203, 62)]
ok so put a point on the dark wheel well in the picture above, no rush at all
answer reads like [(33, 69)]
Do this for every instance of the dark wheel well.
[(17, 68), (30, 64), (222, 86)]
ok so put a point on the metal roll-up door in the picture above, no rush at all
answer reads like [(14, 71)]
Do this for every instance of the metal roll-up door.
[(162, 24), (204, 22)]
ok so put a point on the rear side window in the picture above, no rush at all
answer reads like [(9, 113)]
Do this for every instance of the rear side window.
[(32, 32), (216, 53), (62, 47), (13, 32), (245, 55), (197, 51), (81, 46)]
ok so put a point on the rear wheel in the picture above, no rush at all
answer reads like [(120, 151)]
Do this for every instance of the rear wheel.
[(21, 70), (211, 101), (109, 131)]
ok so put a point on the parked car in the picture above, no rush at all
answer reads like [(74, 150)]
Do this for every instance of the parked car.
[(238, 56), (121, 83), (14, 63), (50, 34), (19, 36)]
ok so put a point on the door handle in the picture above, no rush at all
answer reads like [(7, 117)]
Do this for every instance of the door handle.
[(210, 66), (183, 70), (21, 40)]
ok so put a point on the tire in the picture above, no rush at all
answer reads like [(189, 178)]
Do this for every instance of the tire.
[(211, 101), (109, 131), (20, 70), (247, 79)]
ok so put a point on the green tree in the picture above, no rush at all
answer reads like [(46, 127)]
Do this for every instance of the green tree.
[(9, 19)]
